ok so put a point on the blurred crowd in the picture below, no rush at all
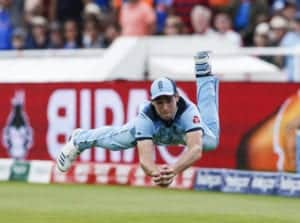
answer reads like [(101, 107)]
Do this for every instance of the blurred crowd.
[(69, 24)]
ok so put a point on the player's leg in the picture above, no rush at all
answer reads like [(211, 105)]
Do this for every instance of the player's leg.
[(207, 100), (108, 137)]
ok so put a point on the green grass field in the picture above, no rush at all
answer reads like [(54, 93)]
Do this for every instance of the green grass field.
[(35, 203)]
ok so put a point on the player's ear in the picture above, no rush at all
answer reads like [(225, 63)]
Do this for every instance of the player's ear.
[(153, 102)]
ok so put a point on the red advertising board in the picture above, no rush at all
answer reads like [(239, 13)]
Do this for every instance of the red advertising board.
[(35, 120)]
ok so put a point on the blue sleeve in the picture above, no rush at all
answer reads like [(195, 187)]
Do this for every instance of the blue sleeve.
[(191, 119), (144, 127)]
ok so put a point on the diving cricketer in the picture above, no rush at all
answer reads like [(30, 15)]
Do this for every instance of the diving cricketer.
[(167, 119)]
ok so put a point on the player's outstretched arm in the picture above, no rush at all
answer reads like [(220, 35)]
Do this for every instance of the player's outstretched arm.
[(162, 176), (146, 155), (192, 154)]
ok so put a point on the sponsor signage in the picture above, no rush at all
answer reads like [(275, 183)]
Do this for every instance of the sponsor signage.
[(253, 182), (40, 171), (298, 151), (236, 181), (19, 171), (264, 183), (289, 185), (36, 120), (209, 179), (5, 169)]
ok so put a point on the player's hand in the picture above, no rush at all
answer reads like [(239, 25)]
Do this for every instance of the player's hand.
[(164, 177), (156, 178), (167, 175), (159, 180)]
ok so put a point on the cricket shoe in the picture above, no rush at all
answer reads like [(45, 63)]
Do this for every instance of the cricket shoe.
[(68, 154), (202, 64)]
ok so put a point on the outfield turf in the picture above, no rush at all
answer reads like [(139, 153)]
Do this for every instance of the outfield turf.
[(36, 203)]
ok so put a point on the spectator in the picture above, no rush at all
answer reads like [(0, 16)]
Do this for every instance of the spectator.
[(246, 15), (71, 34), (261, 39), (200, 19), (38, 38), (112, 31), (279, 27), (91, 34), (18, 39), (183, 9), (38, 8), (56, 40), (32, 8), (174, 26), (162, 9), (137, 18), (285, 8), (91, 11), (223, 26), (289, 10), (6, 27), (292, 40), (261, 35)]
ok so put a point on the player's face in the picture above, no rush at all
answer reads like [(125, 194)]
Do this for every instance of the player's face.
[(166, 106)]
